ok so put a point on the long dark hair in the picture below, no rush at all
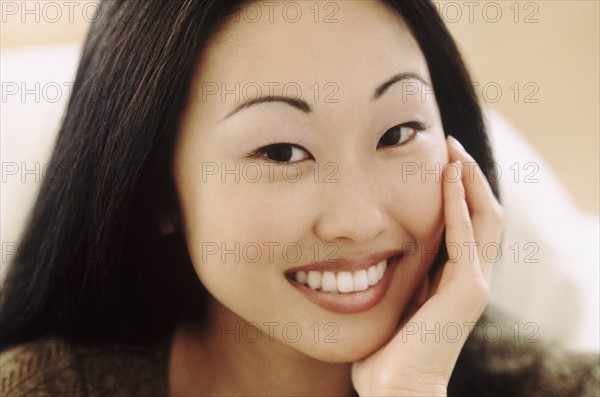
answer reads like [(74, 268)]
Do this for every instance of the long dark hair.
[(92, 265)]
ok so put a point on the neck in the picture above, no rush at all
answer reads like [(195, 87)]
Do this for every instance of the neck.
[(224, 357)]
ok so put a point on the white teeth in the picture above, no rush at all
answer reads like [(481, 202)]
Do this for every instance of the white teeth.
[(381, 269), (372, 275), (361, 281), (345, 282), (329, 282), (342, 282), (301, 277), (314, 279)]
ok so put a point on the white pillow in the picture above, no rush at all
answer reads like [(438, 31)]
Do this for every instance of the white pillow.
[(558, 295), (35, 89), (558, 286)]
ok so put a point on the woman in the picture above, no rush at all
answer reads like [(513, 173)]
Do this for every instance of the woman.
[(263, 200)]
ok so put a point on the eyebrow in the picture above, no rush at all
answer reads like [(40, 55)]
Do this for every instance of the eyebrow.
[(304, 107), (383, 88), (299, 104)]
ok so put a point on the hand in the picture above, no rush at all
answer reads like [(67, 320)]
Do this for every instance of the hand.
[(406, 365)]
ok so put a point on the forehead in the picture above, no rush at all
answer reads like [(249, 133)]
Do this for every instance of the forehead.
[(356, 44)]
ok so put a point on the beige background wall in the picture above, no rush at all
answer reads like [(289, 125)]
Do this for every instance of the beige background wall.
[(559, 56), (543, 56)]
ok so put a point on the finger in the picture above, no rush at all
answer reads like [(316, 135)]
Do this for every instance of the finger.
[(459, 228), (463, 270), (479, 194), (460, 295), (486, 212)]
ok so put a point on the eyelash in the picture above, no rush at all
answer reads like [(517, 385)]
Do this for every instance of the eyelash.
[(418, 126), (259, 153)]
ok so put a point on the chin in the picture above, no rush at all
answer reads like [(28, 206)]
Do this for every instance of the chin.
[(354, 347)]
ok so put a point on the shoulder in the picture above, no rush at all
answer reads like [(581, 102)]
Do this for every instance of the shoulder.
[(53, 366), (43, 367)]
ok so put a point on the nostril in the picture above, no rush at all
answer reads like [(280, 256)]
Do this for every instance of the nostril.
[(354, 222)]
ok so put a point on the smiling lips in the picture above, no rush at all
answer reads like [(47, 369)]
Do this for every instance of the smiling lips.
[(346, 286)]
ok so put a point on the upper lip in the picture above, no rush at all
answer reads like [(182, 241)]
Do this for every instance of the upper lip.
[(346, 264)]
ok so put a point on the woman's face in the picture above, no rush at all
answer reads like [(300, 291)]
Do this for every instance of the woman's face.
[(301, 163)]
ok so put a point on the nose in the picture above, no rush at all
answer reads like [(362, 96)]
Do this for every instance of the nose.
[(352, 207)]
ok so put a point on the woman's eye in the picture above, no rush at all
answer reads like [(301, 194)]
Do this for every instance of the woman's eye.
[(398, 135), (283, 153)]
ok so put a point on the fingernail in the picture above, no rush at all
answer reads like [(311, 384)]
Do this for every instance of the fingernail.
[(456, 143)]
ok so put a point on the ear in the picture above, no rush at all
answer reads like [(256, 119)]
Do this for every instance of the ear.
[(167, 224), (166, 211)]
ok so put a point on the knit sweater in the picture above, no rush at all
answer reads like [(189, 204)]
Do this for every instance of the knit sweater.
[(53, 367)]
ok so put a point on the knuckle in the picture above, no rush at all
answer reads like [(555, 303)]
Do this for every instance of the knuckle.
[(464, 222), (499, 212), (493, 218), (480, 291)]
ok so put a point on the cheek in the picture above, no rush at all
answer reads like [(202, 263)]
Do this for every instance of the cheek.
[(422, 216), (253, 213), (219, 231), (235, 228), (419, 204)]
